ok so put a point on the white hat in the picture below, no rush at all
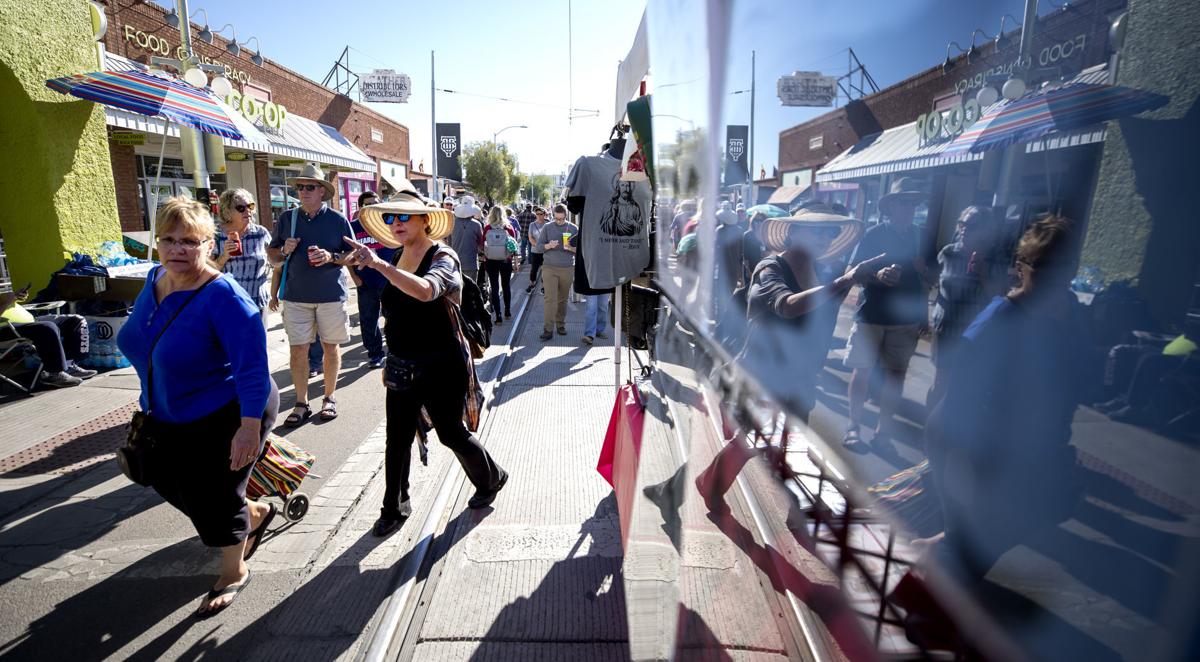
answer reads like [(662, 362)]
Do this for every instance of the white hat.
[(740, 207), (727, 216), (466, 208)]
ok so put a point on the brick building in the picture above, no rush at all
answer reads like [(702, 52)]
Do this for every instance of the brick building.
[(290, 120), (1066, 40)]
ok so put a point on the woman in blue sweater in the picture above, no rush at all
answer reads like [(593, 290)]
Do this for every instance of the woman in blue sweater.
[(199, 348)]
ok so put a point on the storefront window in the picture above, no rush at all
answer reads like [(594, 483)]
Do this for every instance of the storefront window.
[(950, 405), (155, 190), (283, 197)]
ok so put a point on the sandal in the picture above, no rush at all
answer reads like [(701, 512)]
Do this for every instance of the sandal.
[(851, 441), (258, 533), (328, 409), (300, 413), (213, 594)]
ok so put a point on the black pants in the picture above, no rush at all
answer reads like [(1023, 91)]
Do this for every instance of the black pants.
[(499, 276), (535, 265), (57, 339), (441, 389), (191, 472)]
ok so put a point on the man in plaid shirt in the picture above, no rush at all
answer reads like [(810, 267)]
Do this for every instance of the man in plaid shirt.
[(524, 219)]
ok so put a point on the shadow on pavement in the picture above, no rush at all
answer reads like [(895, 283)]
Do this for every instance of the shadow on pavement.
[(70, 525)]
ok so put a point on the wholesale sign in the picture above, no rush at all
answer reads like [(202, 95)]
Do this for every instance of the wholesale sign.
[(807, 88), (384, 86), (449, 147)]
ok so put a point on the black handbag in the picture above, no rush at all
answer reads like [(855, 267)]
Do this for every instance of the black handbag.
[(401, 374), (136, 457)]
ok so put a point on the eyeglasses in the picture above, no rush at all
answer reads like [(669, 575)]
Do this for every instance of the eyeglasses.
[(307, 187), (241, 209), (191, 244), (392, 218)]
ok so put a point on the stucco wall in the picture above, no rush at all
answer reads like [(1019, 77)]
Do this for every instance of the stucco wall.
[(1143, 224), (56, 183)]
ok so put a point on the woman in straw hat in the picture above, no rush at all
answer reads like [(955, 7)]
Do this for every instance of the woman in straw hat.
[(787, 305), (429, 365)]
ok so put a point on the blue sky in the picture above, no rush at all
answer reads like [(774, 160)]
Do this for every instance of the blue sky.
[(518, 50)]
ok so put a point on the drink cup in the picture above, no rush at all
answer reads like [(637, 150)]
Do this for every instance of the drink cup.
[(566, 239), (235, 247), (314, 253)]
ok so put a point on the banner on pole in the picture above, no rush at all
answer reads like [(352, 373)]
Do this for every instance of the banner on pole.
[(449, 147), (737, 141), (385, 86)]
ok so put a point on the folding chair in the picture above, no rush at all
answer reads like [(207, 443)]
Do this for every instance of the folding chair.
[(13, 350)]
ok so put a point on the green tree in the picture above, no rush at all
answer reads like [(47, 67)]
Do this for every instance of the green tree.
[(541, 189), (491, 171)]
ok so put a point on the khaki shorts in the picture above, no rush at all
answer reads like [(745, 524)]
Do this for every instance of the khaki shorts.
[(303, 321), (891, 345)]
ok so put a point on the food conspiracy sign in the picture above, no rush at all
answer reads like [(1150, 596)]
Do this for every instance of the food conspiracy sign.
[(384, 86)]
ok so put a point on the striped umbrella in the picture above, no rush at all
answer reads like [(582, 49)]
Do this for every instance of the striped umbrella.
[(1038, 113), (150, 95)]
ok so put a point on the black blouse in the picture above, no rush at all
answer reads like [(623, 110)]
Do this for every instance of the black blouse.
[(422, 329)]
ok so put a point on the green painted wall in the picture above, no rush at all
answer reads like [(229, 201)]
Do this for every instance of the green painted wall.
[(1144, 223), (56, 182)]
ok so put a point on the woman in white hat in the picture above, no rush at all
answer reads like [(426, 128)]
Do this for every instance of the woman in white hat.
[(467, 236), (786, 346), (429, 364)]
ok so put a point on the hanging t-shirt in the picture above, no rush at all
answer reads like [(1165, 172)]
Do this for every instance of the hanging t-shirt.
[(615, 220)]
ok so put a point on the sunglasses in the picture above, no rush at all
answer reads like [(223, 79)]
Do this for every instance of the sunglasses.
[(392, 218), (241, 209), (308, 187)]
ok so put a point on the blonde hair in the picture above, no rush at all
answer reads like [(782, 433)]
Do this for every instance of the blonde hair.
[(496, 218), (186, 213), (228, 196)]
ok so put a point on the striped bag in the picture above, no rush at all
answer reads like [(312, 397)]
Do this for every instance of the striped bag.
[(280, 470), (909, 497)]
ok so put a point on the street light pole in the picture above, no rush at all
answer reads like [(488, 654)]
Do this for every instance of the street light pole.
[(200, 176), (496, 134)]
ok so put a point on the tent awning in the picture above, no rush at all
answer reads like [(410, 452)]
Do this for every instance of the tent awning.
[(784, 196)]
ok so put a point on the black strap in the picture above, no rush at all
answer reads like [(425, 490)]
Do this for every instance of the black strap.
[(150, 358)]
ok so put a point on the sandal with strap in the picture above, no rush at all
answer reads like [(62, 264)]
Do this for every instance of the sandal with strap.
[(257, 534), (300, 413), (328, 409), (851, 441), (232, 590)]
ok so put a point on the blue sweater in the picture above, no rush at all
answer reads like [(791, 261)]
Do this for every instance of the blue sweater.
[(213, 353)]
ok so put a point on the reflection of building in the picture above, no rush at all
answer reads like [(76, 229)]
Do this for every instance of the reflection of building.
[(291, 120), (56, 191), (1066, 41)]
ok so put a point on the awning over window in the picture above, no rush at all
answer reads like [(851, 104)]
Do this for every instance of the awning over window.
[(786, 195), (300, 138)]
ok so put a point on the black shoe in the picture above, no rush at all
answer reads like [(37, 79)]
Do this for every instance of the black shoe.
[(546, 335), (80, 372), (484, 498), (391, 520), (508, 314), (562, 330), (528, 289), (498, 320)]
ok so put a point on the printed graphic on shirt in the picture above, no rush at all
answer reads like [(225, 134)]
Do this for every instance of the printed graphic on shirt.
[(624, 216)]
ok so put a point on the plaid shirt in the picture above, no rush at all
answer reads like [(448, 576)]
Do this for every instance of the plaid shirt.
[(250, 269), (525, 219), (962, 294)]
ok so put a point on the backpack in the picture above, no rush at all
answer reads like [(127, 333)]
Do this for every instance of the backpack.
[(496, 244), (476, 322)]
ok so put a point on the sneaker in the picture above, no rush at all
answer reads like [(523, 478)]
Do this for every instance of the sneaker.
[(562, 330), (82, 373), (60, 380), (546, 335), (375, 364), (390, 521), (498, 320), (587, 340), (528, 289), (508, 314), (602, 335), (484, 498)]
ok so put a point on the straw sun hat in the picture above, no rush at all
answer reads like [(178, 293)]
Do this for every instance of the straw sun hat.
[(405, 201), (775, 230), (311, 173)]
